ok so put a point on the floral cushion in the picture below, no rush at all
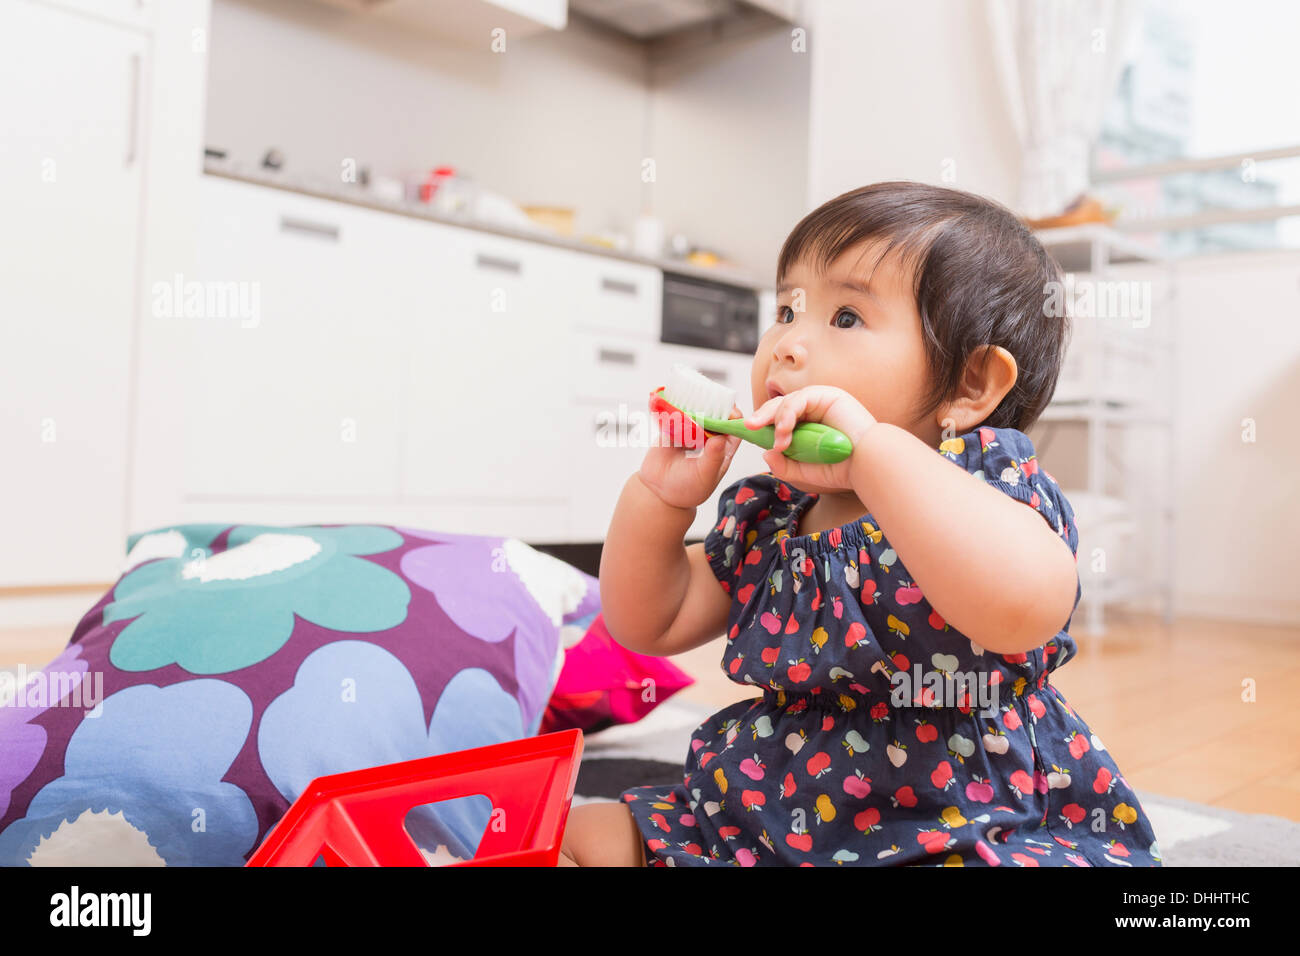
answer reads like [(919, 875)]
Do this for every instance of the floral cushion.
[(231, 665)]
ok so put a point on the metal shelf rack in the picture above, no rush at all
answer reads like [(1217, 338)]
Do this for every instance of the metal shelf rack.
[(1117, 380)]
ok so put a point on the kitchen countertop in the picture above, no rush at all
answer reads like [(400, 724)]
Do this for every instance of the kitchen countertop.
[(358, 196)]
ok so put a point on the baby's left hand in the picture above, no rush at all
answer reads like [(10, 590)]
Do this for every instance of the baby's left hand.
[(817, 403)]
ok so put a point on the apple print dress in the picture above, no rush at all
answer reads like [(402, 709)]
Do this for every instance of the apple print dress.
[(977, 759)]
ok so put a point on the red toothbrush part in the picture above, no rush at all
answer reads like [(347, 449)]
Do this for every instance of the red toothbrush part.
[(358, 818), (673, 422)]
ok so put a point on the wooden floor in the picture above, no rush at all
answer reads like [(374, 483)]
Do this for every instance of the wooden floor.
[(1167, 703)]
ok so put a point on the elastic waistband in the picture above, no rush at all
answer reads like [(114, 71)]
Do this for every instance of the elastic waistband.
[(841, 702)]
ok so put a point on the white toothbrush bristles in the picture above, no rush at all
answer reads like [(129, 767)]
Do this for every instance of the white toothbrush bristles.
[(697, 394)]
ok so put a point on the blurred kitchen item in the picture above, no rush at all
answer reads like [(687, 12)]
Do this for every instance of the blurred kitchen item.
[(273, 159), (609, 240), (559, 219), (498, 210), (448, 192), (649, 236), (1083, 209), (703, 257), (388, 188), (679, 247), (428, 186)]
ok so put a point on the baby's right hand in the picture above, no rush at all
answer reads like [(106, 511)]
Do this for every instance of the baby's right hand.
[(685, 480)]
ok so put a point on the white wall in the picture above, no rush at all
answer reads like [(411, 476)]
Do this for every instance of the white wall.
[(729, 135), (557, 119), (899, 89), (1239, 358)]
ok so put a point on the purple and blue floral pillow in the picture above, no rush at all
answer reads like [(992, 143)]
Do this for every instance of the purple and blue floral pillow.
[(230, 666)]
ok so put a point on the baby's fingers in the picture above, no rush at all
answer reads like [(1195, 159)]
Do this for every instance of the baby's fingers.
[(787, 417), (763, 414)]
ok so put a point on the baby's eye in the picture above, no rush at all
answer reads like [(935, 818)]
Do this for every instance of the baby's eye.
[(781, 310), (844, 312)]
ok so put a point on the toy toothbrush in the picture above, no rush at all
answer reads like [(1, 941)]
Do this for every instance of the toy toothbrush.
[(704, 405)]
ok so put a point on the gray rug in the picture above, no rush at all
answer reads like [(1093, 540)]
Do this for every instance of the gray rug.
[(653, 751)]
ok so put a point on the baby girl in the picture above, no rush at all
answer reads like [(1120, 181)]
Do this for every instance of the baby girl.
[(901, 611)]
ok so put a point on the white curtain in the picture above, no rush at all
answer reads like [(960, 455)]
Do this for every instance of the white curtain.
[(1059, 62)]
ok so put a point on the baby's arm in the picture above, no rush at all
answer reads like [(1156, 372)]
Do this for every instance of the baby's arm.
[(658, 597), (1016, 593)]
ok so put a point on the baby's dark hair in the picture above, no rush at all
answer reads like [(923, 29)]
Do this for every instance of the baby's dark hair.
[(980, 279)]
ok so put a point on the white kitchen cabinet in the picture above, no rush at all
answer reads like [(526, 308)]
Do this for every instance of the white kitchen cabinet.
[(605, 295), (295, 391), (613, 369), (488, 377), (71, 92), (611, 426), (488, 380), (606, 449)]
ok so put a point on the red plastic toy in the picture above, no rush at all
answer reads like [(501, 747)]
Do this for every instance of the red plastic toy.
[(357, 818)]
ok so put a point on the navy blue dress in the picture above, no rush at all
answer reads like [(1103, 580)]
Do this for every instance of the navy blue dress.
[(975, 758)]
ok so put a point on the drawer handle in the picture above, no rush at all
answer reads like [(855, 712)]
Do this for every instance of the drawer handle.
[(496, 262), (617, 357), (322, 230), (618, 285)]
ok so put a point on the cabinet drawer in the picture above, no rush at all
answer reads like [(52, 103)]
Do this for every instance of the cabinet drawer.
[(614, 368), (608, 295), (608, 369), (486, 374), (726, 368)]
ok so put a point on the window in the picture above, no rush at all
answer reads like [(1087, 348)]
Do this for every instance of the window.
[(1209, 101)]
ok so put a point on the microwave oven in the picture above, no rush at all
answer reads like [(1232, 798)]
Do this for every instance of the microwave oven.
[(708, 314)]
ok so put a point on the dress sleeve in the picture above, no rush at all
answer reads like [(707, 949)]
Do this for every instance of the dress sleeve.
[(1006, 460), (746, 511)]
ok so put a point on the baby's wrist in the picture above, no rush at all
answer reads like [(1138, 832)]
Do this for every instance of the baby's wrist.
[(866, 448), (859, 436), (677, 509)]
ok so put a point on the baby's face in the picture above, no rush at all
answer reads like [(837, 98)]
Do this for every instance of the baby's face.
[(865, 340)]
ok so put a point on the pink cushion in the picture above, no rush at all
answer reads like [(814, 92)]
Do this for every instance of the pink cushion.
[(603, 684)]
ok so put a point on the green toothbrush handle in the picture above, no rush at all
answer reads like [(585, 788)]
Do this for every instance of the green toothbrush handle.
[(809, 442)]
